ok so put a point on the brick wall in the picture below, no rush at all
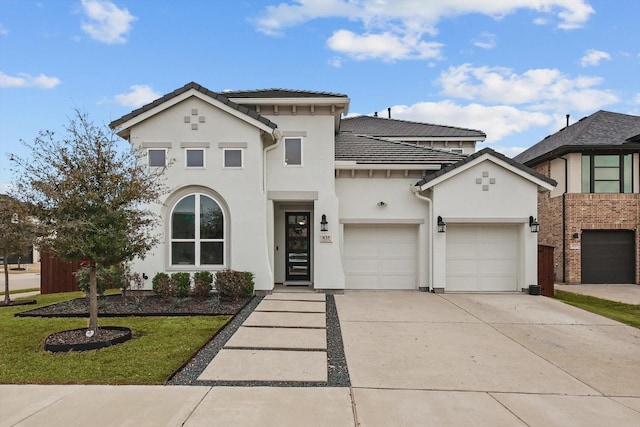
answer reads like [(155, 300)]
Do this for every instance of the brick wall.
[(583, 212)]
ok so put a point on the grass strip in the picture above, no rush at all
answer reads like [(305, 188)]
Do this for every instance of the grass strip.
[(159, 346), (20, 291), (625, 313)]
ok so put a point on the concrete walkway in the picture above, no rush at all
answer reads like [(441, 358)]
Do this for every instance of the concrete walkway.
[(628, 294), (415, 359)]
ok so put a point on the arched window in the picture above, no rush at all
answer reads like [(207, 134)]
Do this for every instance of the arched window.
[(197, 231)]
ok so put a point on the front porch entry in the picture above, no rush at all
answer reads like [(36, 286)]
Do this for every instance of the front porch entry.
[(297, 248)]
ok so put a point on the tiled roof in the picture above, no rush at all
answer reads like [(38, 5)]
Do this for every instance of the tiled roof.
[(480, 153), (364, 149), (218, 97), (602, 128), (381, 127), (280, 93)]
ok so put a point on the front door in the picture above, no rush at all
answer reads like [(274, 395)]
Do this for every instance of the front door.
[(298, 244)]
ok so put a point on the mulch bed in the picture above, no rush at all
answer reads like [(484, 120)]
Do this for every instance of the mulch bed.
[(119, 306), (77, 339), (18, 303)]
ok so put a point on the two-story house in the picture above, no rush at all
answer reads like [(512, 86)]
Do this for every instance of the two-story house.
[(592, 217), (278, 183)]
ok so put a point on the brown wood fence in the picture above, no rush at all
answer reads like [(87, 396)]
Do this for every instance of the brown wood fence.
[(546, 275), (57, 275)]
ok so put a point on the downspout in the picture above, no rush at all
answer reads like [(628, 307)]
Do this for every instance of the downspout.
[(277, 137), (416, 192)]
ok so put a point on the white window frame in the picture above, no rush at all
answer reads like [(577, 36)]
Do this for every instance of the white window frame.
[(284, 152), (149, 159), (224, 158), (204, 158), (197, 240)]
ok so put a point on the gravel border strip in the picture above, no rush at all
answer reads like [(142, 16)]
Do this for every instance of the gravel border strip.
[(337, 372)]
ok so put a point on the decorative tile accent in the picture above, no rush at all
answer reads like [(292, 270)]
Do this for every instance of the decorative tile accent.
[(187, 119), (485, 181), (194, 126), (194, 111), (201, 119)]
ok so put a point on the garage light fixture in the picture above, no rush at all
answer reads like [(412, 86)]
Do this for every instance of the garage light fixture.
[(442, 226), (323, 223), (534, 224)]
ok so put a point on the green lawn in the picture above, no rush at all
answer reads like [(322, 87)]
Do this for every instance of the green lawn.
[(20, 291), (160, 345), (624, 313)]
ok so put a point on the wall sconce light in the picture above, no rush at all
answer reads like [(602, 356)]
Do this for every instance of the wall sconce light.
[(323, 223), (442, 226), (382, 204), (576, 235), (534, 224)]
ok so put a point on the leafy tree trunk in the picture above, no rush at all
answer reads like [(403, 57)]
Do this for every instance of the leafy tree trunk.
[(7, 298), (93, 298)]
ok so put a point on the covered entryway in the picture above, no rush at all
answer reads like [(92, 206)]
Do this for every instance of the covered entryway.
[(482, 257), (380, 256), (608, 256)]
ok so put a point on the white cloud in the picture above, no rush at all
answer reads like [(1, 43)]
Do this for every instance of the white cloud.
[(594, 57), (26, 80), (335, 62), (485, 40), (540, 89), (510, 152), (5, 187), (139, 96), (407, 22), (385, 46), (637, 98), (107, 23), (3, 30), (497, 121)]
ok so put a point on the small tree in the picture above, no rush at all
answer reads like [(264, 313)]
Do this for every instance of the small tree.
[(92, 195), (17, 233)]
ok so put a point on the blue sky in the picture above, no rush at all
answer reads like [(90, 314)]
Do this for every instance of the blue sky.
[(506, 67)]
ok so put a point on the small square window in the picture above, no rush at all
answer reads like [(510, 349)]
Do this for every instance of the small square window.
[(195, 158), (293, 151), (232, 158), (157, 158)]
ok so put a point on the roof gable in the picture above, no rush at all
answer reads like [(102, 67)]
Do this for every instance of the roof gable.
[(542, 181), (381, 127), (177, 95), (600, 130)]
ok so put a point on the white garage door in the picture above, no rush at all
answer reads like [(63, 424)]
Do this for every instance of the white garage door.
[(380, 256), (482, 257)]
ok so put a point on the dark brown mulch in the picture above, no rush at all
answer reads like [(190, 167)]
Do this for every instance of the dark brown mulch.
[(119, 306), (79, 336)]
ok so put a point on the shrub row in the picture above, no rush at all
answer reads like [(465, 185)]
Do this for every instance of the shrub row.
[(230, 284)]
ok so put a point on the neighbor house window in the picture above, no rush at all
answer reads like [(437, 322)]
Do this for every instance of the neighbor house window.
[(157, 157), (456, 150), (293, 151), (197, 232), (232, 158), (194, 158), (607, 173)]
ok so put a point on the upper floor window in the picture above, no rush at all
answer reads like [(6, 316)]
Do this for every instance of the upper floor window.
[(194, 157), (293, 151), (197, 232), (232, 158), (157, 157), (607, 173)]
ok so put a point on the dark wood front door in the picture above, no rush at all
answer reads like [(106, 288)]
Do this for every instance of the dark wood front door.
[(298, 246)]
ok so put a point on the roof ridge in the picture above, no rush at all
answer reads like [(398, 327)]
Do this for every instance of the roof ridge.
[(412, 122)]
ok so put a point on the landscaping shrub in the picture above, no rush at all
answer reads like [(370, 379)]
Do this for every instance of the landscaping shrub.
[(250, 283), (181, 283), (161, 283), (202, 283), (231, 285)]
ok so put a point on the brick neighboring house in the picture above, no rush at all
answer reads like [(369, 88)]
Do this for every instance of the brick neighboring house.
[(592, 217)]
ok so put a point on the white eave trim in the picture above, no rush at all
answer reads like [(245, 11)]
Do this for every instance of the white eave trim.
[(540, 183), (184, 96), (346, 165)]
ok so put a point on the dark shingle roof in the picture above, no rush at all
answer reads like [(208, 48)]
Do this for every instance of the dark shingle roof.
[(381, 127), (280, 93), (480, 153), (364, 149), (218, 97), (601, 129)]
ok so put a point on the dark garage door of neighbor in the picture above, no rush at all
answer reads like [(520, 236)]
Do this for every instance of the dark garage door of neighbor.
[(608, 256)]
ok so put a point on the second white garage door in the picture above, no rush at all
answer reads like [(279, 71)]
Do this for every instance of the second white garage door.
[(380, 256), (482, 257)]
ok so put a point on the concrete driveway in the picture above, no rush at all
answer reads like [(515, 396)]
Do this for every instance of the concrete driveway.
[(480, 359)]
